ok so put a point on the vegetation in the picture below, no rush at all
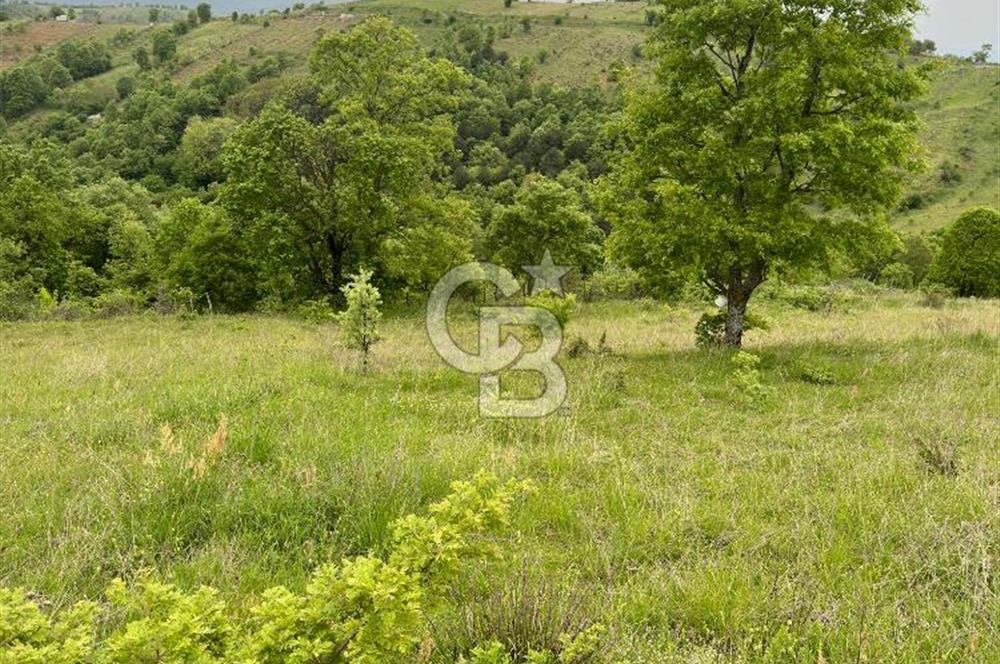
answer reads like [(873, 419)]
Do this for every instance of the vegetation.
[(652, 506), (186, 444), (759, 111), (360, 320), (969, 261)]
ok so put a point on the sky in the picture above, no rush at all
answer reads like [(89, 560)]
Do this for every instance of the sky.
[(961, 26)]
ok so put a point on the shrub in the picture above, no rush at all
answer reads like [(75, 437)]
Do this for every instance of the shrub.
[(613, 281), (746, 376), (969, 262), (316, 311), (363, 609), (118, 302), (897, 275), (360, 321), (819, 298), (574, 650), (817, 375), (560, 306), (935, 295), (918, 253)]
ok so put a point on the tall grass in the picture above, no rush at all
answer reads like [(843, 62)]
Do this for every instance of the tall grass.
[(855, 518)]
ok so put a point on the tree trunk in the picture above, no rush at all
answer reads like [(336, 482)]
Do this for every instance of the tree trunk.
[(736, 310), (336, 251)]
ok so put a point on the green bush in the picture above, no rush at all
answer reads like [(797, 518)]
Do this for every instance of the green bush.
[(969, 262), (364, 609), (897, 275), (613, 281), (560, 306)]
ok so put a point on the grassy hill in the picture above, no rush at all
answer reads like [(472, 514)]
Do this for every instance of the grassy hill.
[(961, 135), (570, 45)]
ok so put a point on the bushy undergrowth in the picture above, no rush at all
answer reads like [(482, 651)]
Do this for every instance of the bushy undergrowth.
[(365, 609)]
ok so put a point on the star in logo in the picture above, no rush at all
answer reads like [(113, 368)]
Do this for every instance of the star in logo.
[(546, 276)]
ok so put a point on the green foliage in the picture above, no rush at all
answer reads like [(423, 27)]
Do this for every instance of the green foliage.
[(22, 88), (898, 275), (982, 56), (83, 60), (359, 322), (204, 12), (817, 375), (738, 138), (613, 281), (559, 305), (435, 234), (141, 57), (746, 376), (199, 156), (918, 254), (200, 249), (164, 46), (325, 197), (363, 610), (580, 649), (544, 215), (124, 87), (969, 262)]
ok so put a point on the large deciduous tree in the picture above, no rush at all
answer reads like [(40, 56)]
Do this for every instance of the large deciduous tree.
[(324, 193), (773, 132)]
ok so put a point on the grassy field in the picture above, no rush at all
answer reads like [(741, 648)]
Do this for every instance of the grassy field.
[(22, 40), (851, 506)]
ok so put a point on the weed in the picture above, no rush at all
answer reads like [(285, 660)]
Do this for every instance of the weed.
[(939, 454)]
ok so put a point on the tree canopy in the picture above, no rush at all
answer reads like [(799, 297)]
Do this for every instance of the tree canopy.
[(773, 133)]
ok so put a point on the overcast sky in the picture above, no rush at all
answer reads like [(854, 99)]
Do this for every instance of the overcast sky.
[(961, 26)]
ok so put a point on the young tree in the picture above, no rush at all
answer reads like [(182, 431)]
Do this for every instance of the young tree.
[(164, 46), (544, 215), (982, 56), (141, 57), (762, 113), (360, 320), (204, 12), (154, 14), (325, 196)]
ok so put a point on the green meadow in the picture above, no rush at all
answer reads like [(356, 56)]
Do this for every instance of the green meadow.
[(853, 502)]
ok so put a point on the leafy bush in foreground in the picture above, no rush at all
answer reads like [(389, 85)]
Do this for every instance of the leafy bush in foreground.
[(364, 609)]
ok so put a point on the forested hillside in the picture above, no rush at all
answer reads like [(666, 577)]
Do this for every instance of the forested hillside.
[(111, 112)]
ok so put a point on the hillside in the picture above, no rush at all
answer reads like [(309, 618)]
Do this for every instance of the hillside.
[(567, 44)]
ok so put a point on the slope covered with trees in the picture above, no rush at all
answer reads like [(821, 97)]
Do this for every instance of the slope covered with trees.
[(194, 124)]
